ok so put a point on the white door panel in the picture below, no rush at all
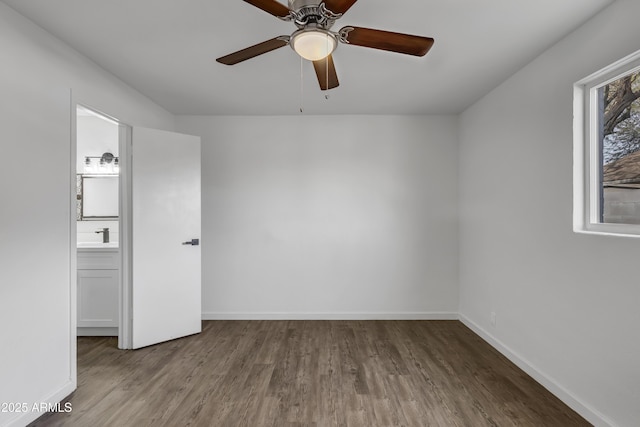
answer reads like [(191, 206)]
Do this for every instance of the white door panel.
[(166, 288)]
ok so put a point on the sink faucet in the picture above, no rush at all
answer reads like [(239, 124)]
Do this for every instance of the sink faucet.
[(105, 234)]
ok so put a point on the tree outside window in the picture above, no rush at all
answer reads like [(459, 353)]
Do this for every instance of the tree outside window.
[(619, 120)]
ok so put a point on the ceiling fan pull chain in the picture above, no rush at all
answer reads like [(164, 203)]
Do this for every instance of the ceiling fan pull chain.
[(301, 87), (326, 68)]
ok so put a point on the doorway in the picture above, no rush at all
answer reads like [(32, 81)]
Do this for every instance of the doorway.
[(147, 216), (97, 174)]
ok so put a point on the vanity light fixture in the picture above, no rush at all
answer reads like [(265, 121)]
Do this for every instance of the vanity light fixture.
[(107, 163)]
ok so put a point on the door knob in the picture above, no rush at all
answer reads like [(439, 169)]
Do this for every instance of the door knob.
[(192, 242)]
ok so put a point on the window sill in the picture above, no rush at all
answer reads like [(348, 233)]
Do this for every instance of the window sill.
[(619, 230)]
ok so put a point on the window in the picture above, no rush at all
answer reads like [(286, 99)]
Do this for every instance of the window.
[(607, 150)]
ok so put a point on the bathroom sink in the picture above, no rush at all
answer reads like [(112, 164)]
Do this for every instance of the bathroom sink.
[(97, 245)]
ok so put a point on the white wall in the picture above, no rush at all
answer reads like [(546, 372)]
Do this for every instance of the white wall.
[(328, 216), (36, 269), (566, 304)]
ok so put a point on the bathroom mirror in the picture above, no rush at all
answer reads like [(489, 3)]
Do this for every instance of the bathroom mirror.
[(97, 197)]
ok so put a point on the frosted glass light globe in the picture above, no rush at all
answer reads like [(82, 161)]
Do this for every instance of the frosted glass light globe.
[(313, 45)]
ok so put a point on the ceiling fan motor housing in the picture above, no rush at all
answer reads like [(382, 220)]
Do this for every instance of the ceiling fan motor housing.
[(299, 4), (305, 12)]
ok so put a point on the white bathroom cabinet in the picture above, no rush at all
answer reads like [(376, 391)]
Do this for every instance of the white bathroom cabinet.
[(98, 285)]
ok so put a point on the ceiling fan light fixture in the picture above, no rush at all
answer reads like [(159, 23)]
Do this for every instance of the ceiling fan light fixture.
[(313, 44)]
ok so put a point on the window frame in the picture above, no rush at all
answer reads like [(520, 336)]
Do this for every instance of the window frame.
[(587, 152)]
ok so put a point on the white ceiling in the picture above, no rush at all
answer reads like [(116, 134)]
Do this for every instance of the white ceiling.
[(166, 49)]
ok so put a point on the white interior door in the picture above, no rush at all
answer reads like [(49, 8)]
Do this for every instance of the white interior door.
[(166, 275)]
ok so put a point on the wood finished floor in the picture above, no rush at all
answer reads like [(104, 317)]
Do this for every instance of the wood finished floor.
[(309, 373)]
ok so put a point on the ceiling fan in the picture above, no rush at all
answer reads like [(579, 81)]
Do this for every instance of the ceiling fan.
[(314, 40)]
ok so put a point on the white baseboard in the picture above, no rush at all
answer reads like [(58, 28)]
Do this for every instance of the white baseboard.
[(329, 316), (25, 418), (587, 412)]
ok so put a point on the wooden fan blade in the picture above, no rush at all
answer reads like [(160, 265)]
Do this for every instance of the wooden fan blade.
[(253, 51), (339, 6), (271, 6), (327, 81), (386, 40)]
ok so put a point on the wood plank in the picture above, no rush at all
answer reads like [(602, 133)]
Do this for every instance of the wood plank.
[(309, 373)]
